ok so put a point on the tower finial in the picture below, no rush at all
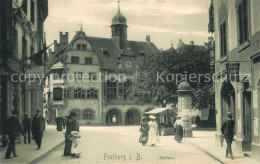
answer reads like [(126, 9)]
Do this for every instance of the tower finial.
[(118, 5), (171, 44), (81, 27)]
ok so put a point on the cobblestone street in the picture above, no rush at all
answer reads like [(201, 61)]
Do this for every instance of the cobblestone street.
[(120, 144)]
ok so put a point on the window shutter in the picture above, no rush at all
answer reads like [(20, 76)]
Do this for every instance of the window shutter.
[(240, 21), (245, 20)]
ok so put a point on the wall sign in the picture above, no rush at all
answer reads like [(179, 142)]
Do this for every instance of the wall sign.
[(233, 71)]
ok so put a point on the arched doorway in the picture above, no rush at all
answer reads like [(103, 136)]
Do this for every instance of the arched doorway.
[(132, 117), (114, 117), (228, 100)]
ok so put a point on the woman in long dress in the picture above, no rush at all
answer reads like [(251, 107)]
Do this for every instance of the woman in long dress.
[(75, 151), (144, 131), (179, 130), (153, 131)]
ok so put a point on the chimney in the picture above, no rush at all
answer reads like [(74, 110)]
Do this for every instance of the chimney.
[(148, 39), (64, 38), (192, 43)]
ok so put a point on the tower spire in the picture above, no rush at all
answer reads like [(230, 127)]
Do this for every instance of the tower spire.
[(118, 5)]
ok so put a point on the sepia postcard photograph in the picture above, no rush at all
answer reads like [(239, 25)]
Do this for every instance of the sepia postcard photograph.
[(130, 81)]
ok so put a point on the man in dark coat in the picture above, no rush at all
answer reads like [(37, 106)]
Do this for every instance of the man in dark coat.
[(72, 125), (27, 128), (37, 128), (13, 128), (227, 130), (197, 121)]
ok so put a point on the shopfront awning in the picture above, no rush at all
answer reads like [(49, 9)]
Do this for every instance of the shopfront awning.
[(160, 111)]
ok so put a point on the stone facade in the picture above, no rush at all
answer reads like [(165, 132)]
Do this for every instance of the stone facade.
[(237, 41), (21, 36)]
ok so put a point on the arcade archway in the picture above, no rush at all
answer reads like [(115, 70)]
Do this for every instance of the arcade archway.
[(132, 117), (114, 117), (228, 100)]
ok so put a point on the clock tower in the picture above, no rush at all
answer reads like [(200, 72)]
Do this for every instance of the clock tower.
[(119, 29)]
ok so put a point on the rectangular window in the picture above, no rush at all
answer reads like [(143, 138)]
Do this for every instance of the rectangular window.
[(78, 46), (15, 42), (79, 93), (92, 75), (92, 94), (75, 60), (57, 94), (66, 93), (111, 89), (24, 48), (243, 21), (88, 60), (78, 75), (24, 6), (32, 11), (83, 94), (127, 85), (84, 46), (75, 93), (223, 40)]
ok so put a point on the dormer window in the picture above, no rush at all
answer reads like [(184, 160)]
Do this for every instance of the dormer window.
[(84, 46), (78, 46), (104, 51)]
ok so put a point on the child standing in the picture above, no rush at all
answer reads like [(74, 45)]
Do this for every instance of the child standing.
[(75, 152)]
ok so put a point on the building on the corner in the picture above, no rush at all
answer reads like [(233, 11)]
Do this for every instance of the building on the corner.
[(237, 66), (21, 35), (103, 70)]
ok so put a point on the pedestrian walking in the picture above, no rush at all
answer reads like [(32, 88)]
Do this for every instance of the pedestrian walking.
[(38, 128), (153, 131), (179, 130), (144, 131), (58, 121), (197, 121), (227, 130), (75, 141), (72, 125), (27, 128), (13, 128)]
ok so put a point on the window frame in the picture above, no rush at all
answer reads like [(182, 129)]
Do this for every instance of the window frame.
[(88, 60), (223, 46), (74, 59), (243, 18)]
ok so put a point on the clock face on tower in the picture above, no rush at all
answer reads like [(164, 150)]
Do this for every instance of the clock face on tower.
[(128, 63)]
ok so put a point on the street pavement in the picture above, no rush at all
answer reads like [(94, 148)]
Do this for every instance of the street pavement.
[(120, 145), (28, 153)]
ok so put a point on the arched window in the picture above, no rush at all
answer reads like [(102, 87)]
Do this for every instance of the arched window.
[(89, 114)]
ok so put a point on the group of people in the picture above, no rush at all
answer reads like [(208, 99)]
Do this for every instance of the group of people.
[(72, 136), (61, 123), (13, 128), (149, 131)]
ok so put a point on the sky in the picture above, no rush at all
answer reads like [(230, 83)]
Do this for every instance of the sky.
[(165, 21)]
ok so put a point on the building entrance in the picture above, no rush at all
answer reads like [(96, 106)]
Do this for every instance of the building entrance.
[(132, 117), (114, 117)]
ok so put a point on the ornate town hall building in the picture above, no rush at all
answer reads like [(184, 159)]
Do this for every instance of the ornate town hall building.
[(103, 70)]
